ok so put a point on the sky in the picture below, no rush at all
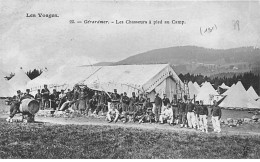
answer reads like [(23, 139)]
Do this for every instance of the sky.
[(37, 42)]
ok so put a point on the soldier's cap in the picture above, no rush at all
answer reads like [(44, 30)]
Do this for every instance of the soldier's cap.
[(115, 90), (62, 90), (27, 90), (18, 91), (45, 85)]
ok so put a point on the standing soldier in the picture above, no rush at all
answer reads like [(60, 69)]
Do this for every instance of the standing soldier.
[(182, 109), (82, 101), (158, 106), (165, 101), (196, 112), (203, 115), (45, 96), (38, 97), (132, 108), (215, 117), (125, 104), (93, 103), (101, 103), (191, 115), (54, 98)]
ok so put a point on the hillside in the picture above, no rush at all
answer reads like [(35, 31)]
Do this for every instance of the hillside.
[(199, 60)]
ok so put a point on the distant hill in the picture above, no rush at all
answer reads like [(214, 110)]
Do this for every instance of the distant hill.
[(103, 63), (199, 60)]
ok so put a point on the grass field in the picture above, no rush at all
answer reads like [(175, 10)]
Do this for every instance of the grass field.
[(40, 140)]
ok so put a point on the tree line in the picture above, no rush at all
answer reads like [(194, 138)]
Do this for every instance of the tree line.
[(248, 79)]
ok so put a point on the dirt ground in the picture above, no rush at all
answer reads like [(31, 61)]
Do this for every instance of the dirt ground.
[(245, 129)]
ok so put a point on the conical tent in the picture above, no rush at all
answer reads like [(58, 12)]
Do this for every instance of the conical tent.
[(251, 92), (196, 86), (237, 97), (5, 88), (192, 90), (206, 94), (226, 93), (19, 81), (224, 86)]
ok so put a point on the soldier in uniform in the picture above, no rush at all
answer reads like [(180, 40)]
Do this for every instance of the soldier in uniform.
[(203, 115), (182, 113), (215, 117), (101, 103), (167, 114), (191, 114), (15, 105), (38, 97), (54, 99), (45, 96), (148, 109), (165, 101), (158, 106), (112, 114)]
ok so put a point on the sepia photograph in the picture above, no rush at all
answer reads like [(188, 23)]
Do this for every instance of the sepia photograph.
[(129, 79)]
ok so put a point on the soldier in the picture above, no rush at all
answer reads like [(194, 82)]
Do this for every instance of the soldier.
[(62, 98), (54, 99), (82, 102), (112, 114), (75, 100), (203, 115), (167, 114), (93, 103), (165, 101), (14, 108), (45, 96), (215, 117), (38, 97), (149, 116), (196, 112), (191, 115), (158, 106), (132, 108), (27, 95), (182, 113), (101, 103)]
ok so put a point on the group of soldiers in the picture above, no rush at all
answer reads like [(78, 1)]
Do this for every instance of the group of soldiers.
[(184, 113), (121, 107)]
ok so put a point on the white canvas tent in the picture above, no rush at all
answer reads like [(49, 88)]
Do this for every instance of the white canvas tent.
[(192, 90), (251, 92), (196, 86), (229, 90), (206, 94), (224, 86), (5, 88), (155, 78), (19, 81), (237, 97)]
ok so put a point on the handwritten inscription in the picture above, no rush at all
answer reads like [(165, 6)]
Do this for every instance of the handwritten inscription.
[(208, 30)]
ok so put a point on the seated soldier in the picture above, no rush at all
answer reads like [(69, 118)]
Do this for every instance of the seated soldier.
[(62, 98), (69, 98), (167, 114), (112, 114), (132, 108), (149, 115), (139, 114)]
